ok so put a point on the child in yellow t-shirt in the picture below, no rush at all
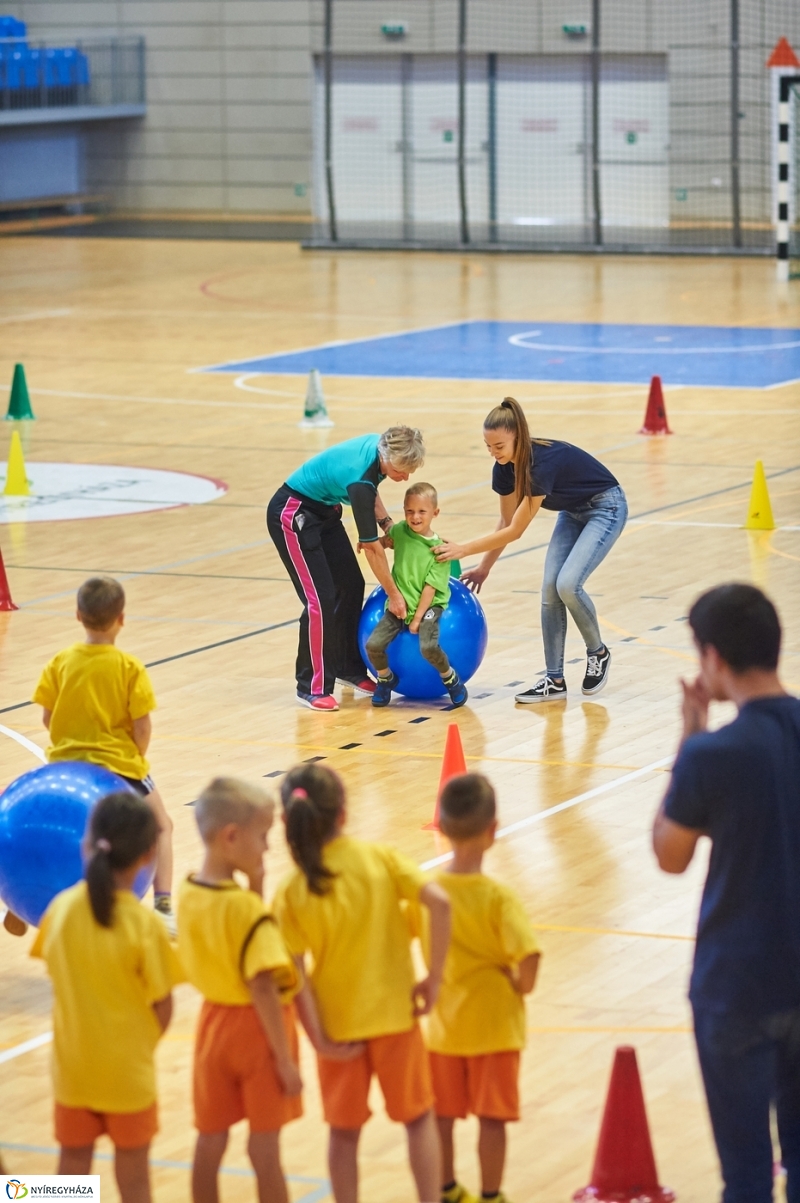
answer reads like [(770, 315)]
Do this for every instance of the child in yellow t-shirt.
[(477, 1028), (343, 906), (246, 1050), (97, 702), (113, 970)]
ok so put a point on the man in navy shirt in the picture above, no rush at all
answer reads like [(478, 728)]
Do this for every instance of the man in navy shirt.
[(740, 786)]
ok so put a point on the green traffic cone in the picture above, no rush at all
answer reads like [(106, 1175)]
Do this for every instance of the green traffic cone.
[(19, 403)]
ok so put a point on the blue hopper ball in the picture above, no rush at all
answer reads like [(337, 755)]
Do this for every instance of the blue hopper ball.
[(463, 634), (43, 818)]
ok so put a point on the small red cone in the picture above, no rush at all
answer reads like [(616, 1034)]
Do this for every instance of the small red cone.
[(783, 55), (624, 1165), (655, 418), (453, 763), (5, 593)]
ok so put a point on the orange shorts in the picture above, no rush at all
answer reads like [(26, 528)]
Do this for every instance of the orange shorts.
[(401, 1065), (234, 1071), (78, 1127), (486, 1086)]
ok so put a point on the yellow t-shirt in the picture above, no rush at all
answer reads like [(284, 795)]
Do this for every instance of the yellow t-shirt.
[(95, 691), (105, 980), (226, 936), (359, 938), (478, 1010)]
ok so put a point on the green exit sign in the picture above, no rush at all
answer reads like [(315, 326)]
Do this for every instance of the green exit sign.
[(575, 29), (394, 29)]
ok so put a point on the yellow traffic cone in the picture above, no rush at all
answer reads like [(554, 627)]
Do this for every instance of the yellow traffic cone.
[(759, 514), (16, 480)]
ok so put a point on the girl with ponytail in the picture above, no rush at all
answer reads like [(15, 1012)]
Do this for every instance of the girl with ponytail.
[(343, 906), (113, 970), (532, 473)]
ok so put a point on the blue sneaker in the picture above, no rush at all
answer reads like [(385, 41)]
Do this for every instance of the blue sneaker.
[(383, 690), (456, 688)]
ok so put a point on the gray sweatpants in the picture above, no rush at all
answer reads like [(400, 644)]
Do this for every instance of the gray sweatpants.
[(390, 627)]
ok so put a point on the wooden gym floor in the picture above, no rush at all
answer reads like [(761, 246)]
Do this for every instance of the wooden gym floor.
[(107, 332)]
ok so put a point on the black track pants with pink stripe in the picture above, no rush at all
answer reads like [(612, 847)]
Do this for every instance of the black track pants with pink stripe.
[(319, 558)]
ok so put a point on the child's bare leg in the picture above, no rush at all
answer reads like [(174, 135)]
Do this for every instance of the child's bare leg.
[(264, 1152), (492, 1154), (208, 1154), (446, 1125), (425, 1157), (132, 1171), (162, 882), (343, 1163), (75, 1161)]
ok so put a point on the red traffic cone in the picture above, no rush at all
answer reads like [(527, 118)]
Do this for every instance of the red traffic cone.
[(624, 1166), (453, 763), (5, 593), (655, 418)]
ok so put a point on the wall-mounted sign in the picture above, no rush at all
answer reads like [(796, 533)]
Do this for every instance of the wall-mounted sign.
[(394, 29)]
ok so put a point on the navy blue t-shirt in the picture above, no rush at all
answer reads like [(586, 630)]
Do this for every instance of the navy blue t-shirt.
[(565, 476), (741, 785)]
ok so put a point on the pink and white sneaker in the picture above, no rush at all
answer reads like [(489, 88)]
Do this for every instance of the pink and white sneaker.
[(318, 701), (364, 686)]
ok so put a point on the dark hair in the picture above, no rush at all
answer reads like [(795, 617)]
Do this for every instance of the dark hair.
[(313, 798), (122, 828), (101, 600), (510, 416), (466, 806), (741, 623)]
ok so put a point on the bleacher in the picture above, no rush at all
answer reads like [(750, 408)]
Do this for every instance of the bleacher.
[(33, 77)]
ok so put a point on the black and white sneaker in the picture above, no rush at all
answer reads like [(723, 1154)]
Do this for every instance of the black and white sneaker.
[(545, 690), (597, 668)]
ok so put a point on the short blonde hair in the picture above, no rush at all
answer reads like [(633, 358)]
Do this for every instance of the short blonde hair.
[(228, 800), (403, 447), (422, 489)]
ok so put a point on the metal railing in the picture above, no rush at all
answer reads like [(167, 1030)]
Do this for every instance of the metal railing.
[(93, 72)]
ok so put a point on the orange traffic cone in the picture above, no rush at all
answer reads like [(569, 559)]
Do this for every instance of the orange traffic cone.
[(5, 593), (453, 763), (655, 418), (624, 1166)]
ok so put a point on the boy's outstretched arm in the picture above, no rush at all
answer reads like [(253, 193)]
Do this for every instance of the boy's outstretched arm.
[(46, 716), (425, 602), (309, 1017), (438, 904), (142, 730), (163, 1012), (267, 1006)]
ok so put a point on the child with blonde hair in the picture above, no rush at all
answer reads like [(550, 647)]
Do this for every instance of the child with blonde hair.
[(246, 1050), (476, 1030), (96, 702), (113, 970), (343, 906)]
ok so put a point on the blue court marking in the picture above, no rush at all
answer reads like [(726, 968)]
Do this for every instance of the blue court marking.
[(579, 352), (320, 1188)]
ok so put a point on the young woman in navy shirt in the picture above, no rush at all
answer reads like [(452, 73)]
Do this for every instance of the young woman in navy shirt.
[(530, 473)]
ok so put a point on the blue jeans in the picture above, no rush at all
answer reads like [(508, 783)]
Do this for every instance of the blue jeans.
[(748, 1064), (580, 540)]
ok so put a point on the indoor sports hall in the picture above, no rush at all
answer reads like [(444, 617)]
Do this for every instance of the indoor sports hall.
[(235, 234)]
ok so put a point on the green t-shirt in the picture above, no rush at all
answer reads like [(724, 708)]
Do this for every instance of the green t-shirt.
[(414, 567)]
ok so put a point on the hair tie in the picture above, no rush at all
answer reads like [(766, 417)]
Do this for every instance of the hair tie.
[(299, 793), (102, 845)]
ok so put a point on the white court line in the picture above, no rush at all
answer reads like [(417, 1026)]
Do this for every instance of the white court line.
[(511, 829), (715, 525), (27, 1046), (36, 316), (529, 820), (26, 743)]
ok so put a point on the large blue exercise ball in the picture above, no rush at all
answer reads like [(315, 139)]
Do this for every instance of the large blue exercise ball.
[(43, 819), (463, 634)]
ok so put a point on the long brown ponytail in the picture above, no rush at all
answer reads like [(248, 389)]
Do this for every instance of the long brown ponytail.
[(122, 828), (313, 798), (510, 416)]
